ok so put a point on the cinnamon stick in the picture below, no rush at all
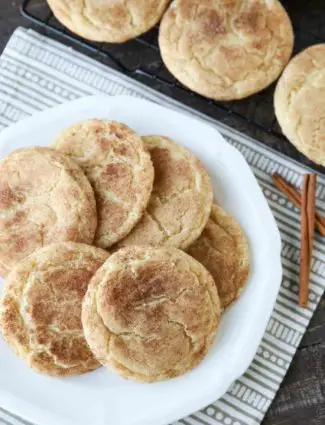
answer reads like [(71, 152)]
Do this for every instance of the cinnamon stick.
[(304, 245), (294, 196), (307, 235), (311, 212)]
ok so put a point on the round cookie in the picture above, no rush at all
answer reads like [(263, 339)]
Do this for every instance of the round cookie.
[(150, 313), (118, 167), (44, 198), (226, 50), (113, 21), (181, 199), (223, 249), (40, 311), (299, 102)]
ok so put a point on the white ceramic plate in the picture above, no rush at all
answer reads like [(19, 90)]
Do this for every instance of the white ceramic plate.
[(100, 397)]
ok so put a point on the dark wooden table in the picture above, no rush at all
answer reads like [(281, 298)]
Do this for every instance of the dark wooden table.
[(301, 398)]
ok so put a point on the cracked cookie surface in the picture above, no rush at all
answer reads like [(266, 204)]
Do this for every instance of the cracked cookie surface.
[(119, 169), (113, 21), (150, 313), (299, 102), (40, 311), (223, 249), (181, 198), (226, 50), (44, 198)]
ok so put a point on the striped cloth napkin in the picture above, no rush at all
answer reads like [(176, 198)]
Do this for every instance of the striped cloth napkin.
[(37, 73)]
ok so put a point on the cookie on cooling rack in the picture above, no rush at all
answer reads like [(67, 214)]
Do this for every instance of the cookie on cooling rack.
[(299, 102), (226, 50), (108, 21)]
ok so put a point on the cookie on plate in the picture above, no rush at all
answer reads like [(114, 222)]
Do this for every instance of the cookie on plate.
[(113, 21), (150, 313), (299, 102), (118, 167), (226, 50), (223, 249), (40, 311), (44, 198), (181, 199)]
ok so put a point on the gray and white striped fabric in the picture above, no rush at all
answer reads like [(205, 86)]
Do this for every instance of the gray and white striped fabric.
[(37, 73)]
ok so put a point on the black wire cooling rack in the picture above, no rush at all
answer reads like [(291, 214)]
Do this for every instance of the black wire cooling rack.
[(141, 60)]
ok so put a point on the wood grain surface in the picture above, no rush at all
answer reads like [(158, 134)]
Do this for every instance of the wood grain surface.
[(301, 398)]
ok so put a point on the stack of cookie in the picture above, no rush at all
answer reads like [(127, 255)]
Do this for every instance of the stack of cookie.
[(114, 254)]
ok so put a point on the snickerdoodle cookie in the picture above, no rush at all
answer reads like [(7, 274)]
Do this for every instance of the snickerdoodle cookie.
[(299, 102), (150, 313), (181, 199), (40, 312), (223, 250), (226, 50), (113, 21), (44, 198), (118, 167)]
